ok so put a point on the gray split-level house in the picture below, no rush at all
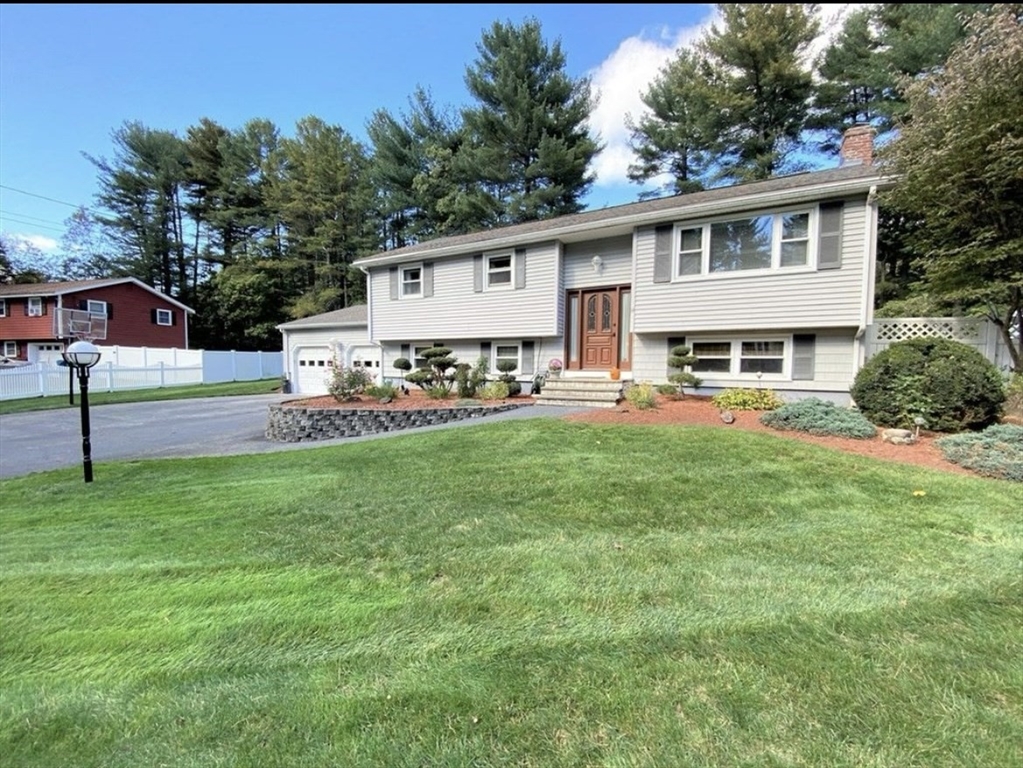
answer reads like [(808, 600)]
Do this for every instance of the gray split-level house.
[(771, 284)]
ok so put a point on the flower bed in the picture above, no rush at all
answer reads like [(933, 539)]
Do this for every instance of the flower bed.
[(326, 419)]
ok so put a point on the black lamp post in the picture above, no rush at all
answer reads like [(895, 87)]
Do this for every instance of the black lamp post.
[(82, 355)]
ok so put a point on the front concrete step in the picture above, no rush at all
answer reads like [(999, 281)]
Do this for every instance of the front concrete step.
[(593, 393)]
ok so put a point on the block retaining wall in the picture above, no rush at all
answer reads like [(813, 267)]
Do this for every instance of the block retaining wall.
[(293, 425)]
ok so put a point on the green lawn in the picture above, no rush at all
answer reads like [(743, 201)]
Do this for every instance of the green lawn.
[(259, 387), (527, 593)]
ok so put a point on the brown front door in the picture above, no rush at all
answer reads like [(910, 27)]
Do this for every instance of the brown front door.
[(599, 328)]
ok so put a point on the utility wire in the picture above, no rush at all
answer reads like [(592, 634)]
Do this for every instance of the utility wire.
[(4, 214), (42, 197), (30, 224)]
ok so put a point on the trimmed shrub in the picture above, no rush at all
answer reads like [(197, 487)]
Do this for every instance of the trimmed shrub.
[(380, 391), (820, 417), (641, 396), (667, 389), (747, 400), (681, 357), (948, 384), (494, 390), (995, 452)]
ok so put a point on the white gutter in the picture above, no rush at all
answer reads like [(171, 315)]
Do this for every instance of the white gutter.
[(869, 277), (681, 212)]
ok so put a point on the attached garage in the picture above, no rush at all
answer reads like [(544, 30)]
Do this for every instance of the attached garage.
[(312, 344)]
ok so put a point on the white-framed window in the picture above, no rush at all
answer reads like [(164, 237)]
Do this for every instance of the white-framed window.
[(3, 307), (10, 349), (742, 357), (762, 357), (96, 307), (757, 243), (712, 356), (418, 361), (506, 350), (411, 280), (35, 306), (499, 270), (164, 317)]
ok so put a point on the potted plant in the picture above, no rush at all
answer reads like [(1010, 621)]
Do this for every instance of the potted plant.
[(554, 367)]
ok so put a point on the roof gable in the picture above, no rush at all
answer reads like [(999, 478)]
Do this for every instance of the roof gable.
[(834, 182), (61, 288)]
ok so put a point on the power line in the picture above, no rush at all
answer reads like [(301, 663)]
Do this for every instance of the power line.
[(30, 224), (5, 214), (42, 197)]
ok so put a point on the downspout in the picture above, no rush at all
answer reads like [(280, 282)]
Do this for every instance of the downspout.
[(869, 276), (369, 324)]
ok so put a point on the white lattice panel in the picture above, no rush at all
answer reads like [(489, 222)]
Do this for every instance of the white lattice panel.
[(968, 331)]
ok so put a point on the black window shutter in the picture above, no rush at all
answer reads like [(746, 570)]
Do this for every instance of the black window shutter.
[(406, 350), (485, 350), (520, 267), (26, 306), (83, 304), (527, 358), (152, 316), (174, 317), (427, 278), (674, 341), (110, 311), (829, 246), (662, 254), (802, 356), (477, 273), (42, 303)]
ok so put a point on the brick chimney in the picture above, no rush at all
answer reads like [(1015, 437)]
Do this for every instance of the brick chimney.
[(857, 146)]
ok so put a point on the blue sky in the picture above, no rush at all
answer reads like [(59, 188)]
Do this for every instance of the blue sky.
[(72, 74)]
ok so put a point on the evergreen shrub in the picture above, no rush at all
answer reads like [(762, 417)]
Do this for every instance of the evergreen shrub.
[(819, 417), (948, 384)]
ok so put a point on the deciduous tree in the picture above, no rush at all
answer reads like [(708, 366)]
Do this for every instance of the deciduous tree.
[(958, 158)]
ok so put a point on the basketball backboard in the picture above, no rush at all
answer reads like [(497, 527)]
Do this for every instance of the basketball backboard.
[(79, 324)]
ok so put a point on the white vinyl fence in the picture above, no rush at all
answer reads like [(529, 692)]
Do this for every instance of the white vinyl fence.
[(977, 332), (123, 368)]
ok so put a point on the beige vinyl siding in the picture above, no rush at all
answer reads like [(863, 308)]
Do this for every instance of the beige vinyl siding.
[(616, 269), (781, 299), (468, 351), (833, 359), (456, 311)]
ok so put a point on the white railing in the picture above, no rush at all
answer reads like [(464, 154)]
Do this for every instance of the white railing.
[(194, 367)]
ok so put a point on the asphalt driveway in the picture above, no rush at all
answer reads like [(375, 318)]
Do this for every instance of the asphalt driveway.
[(212, 426)]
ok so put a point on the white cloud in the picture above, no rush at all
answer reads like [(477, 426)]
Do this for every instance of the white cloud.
[(40, 242), (618, 83), (622, 77)]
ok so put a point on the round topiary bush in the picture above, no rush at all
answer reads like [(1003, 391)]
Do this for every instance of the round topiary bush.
[(948, 384)]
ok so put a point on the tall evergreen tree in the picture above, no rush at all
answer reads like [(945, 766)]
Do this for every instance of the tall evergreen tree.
[(413, 172), (528, 135), (863, 71), (760, 86), (141, 192), (672, 139), (323, 197)]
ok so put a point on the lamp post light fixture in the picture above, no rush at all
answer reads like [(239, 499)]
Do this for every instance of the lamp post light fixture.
[(82, 355)]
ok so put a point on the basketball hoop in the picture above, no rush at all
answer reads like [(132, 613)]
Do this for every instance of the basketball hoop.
[(79, 324)]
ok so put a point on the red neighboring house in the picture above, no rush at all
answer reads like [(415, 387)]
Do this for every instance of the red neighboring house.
[(137, 316)]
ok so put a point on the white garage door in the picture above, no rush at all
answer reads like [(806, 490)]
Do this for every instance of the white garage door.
[(314, 368), (45, 353)]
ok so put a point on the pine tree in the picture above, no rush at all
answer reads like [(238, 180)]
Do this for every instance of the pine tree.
[(760, 87), (672, 139), (528, 139)]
